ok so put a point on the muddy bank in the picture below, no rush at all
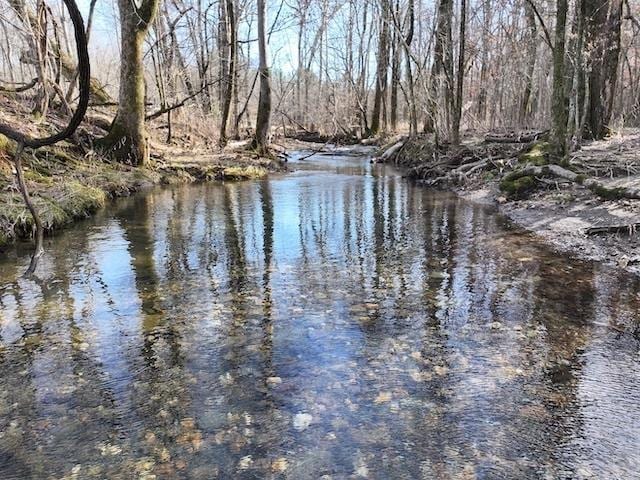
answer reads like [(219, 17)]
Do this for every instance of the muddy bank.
[(564, 213)]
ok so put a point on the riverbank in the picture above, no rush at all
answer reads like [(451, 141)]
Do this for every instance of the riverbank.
[(66, 186), (70, 181), (589, 223)]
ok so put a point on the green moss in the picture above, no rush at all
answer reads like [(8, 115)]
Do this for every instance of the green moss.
[(609, 193), (82, 199), (517, 187), (53, 215), (581, 178), (538, 154), (63, 205)]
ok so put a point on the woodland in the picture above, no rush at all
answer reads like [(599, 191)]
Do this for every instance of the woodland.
[(533, 79)]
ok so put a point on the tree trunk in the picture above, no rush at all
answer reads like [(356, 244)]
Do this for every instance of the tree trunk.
[(395, 74), (383, 65), (440, 88), (458, 100), (481, 108), (603, 24), (413, 115), (230, 74), (263, 120), (532, 48), (559, 105), (127, 140)]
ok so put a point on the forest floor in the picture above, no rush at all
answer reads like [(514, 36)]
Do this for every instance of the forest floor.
[(566, 214), (70, 181)]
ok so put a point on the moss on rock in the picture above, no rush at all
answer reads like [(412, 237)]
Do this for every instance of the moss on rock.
[(538, 154), (517, 187)]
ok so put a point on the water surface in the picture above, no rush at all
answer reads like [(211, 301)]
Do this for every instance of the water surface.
[(336, 322)]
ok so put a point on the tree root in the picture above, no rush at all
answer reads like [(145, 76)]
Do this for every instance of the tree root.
[(22, 185)]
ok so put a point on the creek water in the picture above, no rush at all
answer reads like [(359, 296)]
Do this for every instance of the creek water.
[(334, 322)]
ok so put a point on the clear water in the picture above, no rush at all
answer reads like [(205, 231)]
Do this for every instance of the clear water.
[(336, 322)]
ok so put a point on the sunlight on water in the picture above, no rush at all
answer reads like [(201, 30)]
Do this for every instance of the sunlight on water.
[(336, 322)]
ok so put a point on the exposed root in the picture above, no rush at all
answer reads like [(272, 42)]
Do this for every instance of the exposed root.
[(39, 249)]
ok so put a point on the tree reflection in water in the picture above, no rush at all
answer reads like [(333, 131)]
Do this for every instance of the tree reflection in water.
[(337, 321)]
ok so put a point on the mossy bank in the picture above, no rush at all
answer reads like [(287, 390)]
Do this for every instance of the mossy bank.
[(67, 185)]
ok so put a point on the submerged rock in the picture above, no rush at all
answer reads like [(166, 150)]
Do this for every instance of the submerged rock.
[(301, 421)]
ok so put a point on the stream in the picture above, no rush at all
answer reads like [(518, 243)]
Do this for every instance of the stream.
[(335, 322)]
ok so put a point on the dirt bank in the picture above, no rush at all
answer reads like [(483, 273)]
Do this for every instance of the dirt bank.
[(568, 215)]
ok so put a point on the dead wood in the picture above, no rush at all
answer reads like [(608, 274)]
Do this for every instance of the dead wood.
[(19, 88), (597, 186), (513, 137), (629, 229)]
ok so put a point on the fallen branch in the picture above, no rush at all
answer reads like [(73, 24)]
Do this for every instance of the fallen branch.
[(39, 249), (516, 138), (20, 88), (460, 173), (629, 229), (598, 187)]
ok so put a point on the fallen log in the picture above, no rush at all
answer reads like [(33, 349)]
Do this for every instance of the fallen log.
[(595, 185), (459, 174), (516, 138), (629, 229), (391, 151)]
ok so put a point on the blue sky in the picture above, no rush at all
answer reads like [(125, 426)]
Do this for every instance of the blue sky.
[(105, 40)]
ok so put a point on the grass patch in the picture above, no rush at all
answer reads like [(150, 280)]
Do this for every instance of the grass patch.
[(250, 172), (37, 177), (6, 145), (81, 200)]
